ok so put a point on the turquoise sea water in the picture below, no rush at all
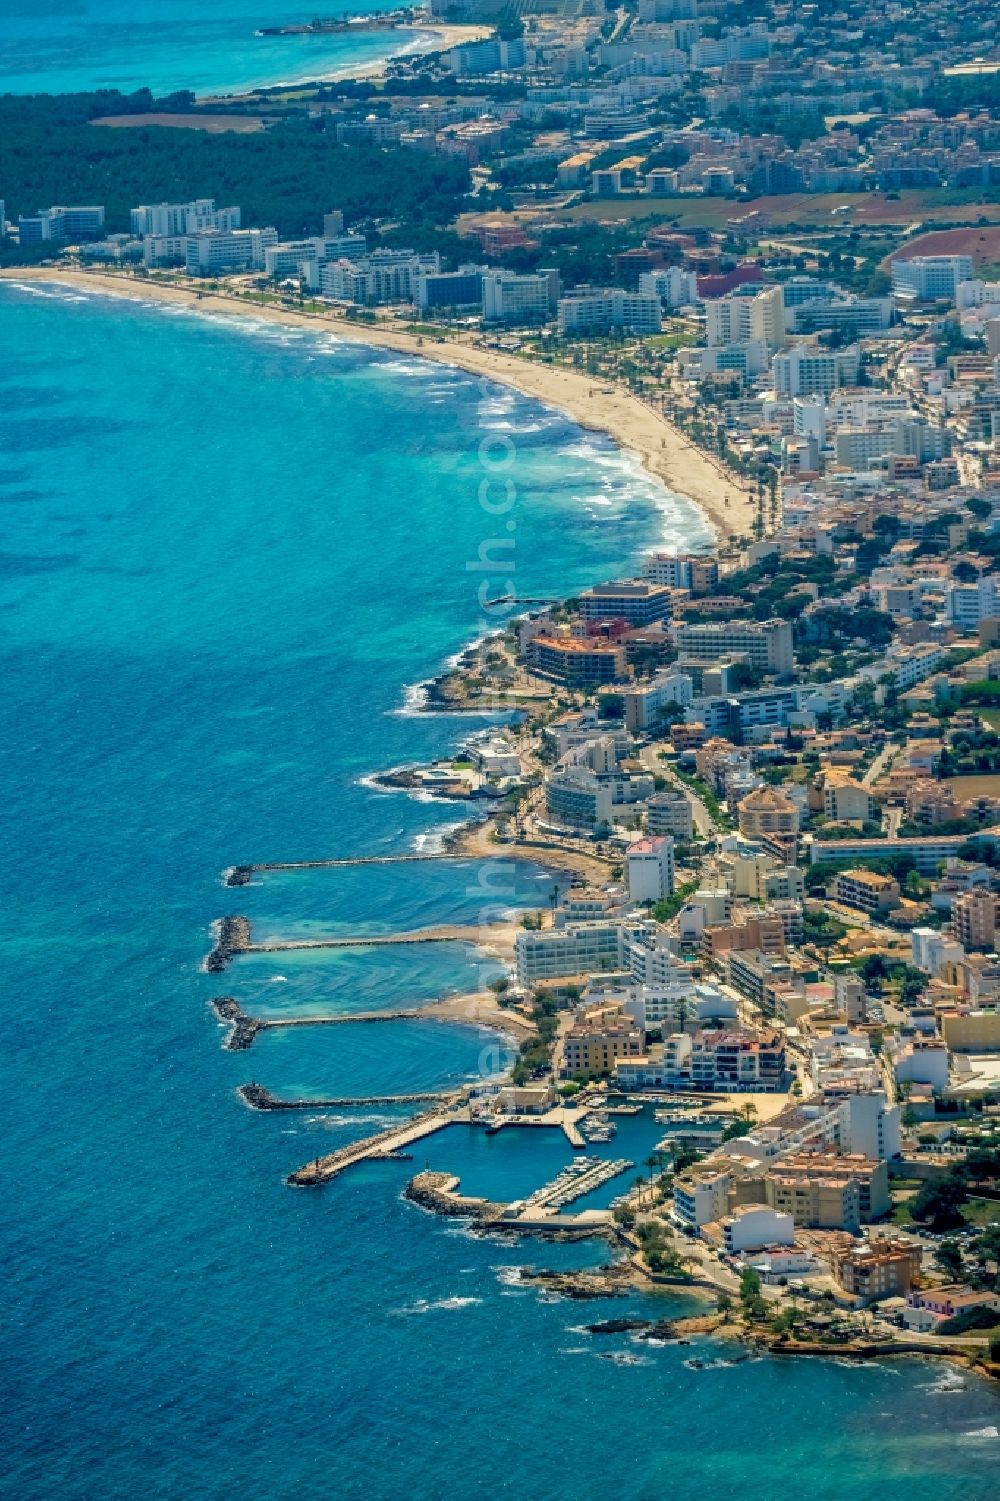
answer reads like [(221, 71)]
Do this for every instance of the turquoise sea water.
[(58, 46), (227, 552)]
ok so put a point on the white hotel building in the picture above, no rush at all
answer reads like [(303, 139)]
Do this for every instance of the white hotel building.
[(592, 310)]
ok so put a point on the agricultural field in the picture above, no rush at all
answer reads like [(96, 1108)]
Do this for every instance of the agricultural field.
[(812, 210), (981, 241)]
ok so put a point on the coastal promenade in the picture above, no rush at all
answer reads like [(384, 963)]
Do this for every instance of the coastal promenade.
[(665, 451)]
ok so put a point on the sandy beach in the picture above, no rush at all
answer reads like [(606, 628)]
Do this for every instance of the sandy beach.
[(424, 36), (665, 452)]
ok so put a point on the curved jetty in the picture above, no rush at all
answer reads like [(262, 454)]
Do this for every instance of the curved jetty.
[(242, 1028), (439, 1193)]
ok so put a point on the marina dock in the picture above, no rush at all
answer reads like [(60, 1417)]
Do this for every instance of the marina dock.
[(578, 1178), (439, 1192)]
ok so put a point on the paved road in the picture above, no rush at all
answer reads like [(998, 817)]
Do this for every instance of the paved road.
[(880, 764), (649, 756)]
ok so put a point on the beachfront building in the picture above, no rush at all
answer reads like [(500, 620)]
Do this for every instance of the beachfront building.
[(590, 790), (384, 276), (701, 1195), (576, 949), (650, 868), (882, 1267), (77, 221), (595, 1043), (577, 797), (586, 663), (305, 258), (512, 298), (450, 289), (738, 1061), (767, 644), (212, 252), (589, 310)]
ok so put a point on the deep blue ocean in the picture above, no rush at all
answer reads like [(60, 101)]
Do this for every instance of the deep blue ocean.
[(58, 46), (229, 551)]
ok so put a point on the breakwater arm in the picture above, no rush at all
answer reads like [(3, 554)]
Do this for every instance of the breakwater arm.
[(258, 1097), (236, 937), (242, 875), (383, 1144)]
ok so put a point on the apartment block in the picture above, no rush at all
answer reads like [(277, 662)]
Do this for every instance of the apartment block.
[(867, 890), (767, 644), (828, 1192), (590, 310), (974, 919), (878, 1268), (579, 663), (576, 949), (637, 601), (511, 298)]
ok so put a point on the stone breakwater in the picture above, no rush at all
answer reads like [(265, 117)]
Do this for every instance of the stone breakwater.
[(233, 938), (236, 937), (242, 875), (242, 1028), (438, 1193), (258, 1097)]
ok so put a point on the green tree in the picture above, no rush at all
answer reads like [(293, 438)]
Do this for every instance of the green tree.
[(949, 1256)]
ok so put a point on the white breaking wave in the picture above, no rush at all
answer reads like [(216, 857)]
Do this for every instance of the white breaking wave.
[(423, 1305), (432, 841)]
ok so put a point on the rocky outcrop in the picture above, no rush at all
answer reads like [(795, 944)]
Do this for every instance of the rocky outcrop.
[(611, 1281)]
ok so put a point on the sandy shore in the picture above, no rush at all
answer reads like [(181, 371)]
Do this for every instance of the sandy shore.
[(665, 452), (425, 36)]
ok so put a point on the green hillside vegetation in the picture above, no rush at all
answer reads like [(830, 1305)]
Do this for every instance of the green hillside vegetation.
[(287, 175)]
